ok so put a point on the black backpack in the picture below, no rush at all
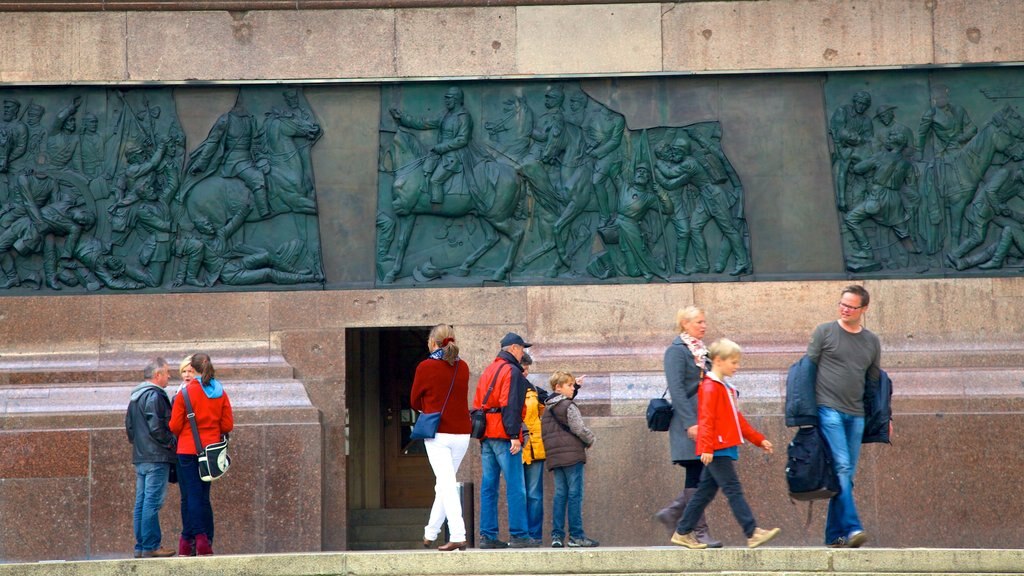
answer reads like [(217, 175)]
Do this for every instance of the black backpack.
[(809, 471)]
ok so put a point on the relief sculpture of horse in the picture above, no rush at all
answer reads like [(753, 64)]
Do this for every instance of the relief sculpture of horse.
[(494, 193)]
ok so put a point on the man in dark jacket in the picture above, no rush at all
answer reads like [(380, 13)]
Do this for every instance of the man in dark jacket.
[(501, 392), (153, 454)]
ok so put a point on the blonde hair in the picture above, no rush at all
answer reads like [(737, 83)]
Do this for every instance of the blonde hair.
[(686, 315), (723, 348), (438, 335), (185, 363), (560, 377)]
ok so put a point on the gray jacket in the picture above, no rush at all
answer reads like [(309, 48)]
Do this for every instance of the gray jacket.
[(683, 379)]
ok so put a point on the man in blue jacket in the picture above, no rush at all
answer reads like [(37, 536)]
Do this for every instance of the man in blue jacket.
[(846, 354)]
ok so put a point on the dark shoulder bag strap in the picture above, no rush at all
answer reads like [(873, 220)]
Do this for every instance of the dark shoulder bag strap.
[(451, 386), (483, 405), (191, 415)]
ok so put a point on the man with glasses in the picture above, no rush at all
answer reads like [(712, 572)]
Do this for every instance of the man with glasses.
[(845, 352)]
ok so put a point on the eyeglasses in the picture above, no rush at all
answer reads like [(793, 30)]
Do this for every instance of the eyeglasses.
[(845, 306)]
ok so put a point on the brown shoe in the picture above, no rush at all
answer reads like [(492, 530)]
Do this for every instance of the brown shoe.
[(688, 540), (158, 553), (761, 536), (452, 546)]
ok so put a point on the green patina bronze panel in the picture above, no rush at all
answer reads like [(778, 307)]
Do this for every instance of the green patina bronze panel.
[(97, 191), (927, 169), (536, 182), (908, 173)]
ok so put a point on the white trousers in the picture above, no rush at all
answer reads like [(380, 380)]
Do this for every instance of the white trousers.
[(445, 452)]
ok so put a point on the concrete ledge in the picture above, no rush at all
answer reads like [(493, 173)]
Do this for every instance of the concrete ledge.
[(606, 561)]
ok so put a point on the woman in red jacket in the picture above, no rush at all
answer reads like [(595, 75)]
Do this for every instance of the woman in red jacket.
[(442, 385), (214, 420)]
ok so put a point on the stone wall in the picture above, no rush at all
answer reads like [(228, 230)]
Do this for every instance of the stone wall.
[(642, 38), (951, 345)]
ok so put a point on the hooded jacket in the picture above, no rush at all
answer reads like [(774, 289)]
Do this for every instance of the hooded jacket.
[(147, 424), (213, 415)]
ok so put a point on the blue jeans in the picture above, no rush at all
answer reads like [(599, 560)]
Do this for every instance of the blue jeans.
[(198, 517), (568, 491), (150, 489), (534, 474), (843, 433), (496, 461)]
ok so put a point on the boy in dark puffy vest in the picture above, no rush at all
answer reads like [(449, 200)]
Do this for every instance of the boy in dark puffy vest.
[(566, 440)]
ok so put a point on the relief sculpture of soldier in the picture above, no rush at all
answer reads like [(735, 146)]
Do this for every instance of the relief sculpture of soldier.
[(888, 172), (947, 128), (561, 169), (36, 133), (454, 152), (452, 179), (62, 144), (667, 172), (13, 137), (539, 168), (34, 219), (852, 134), (635, 201), (231, 150), (715, 203), (142, 210), (602, 132)]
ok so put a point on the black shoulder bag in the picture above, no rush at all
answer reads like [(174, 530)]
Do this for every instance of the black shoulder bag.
[(479, 415), (213, 459)]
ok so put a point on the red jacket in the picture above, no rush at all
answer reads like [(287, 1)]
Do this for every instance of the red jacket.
[(213, 418), (430, 386), (506, 404), (719, 422)]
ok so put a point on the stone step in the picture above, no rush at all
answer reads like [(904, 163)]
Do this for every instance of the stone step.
[(386, 528), (387, 516), (232, 360), (604, 561), (777, 356)]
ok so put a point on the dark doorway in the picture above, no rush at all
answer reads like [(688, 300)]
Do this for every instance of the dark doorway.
[(387, 472)]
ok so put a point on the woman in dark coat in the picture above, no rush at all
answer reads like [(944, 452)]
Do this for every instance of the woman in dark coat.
[(685, 364)]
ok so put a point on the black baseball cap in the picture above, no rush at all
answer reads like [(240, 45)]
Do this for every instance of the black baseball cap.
[(513, 338)]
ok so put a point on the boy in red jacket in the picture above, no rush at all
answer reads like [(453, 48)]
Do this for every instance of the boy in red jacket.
[(720, 430)]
